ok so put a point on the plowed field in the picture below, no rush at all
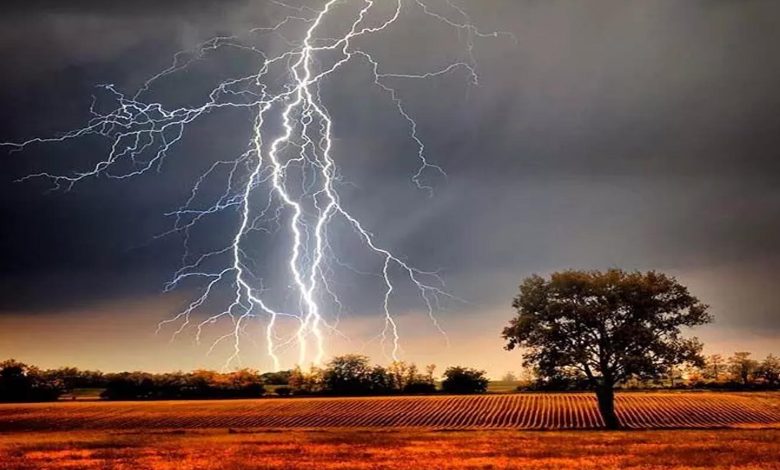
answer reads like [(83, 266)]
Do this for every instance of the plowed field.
[(519, 411)]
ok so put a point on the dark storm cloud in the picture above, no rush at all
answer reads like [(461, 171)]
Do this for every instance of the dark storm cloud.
[(41, 37), (134, 8), (634, 134)]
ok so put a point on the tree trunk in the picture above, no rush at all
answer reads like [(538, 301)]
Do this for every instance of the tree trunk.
[(606, 398)]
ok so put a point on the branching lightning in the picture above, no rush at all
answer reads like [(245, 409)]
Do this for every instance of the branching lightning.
[(288, 179)]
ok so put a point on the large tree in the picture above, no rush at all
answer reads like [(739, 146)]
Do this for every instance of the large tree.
[(609, 326)]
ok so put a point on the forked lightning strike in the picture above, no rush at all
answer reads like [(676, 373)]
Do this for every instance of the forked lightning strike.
[(289, 180)]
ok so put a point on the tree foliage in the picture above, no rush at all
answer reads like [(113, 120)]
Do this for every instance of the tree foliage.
[(281, 377), (714, 367), (244, 383), (464, 380), (306, 382), (742, 367), (22, 383), (769, 371), (406, 378), (354, 374), (349, 375)]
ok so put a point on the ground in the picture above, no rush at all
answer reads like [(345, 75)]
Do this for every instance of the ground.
[(535, 411), (356, 449), (525, 431)]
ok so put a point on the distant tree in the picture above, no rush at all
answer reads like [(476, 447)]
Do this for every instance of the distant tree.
[(564, 379), (306, 382), (243, 383), (693, 375), (379, 382), (22, 383), (463, 380), (423, 384), (347, 375), (742, 367), (675, 375), (609, 326), (769, 371), (406, 378), (509, 377), (528, 376), (281, 377), (15, 385), (430, 370), (715, 367), (401, 374)]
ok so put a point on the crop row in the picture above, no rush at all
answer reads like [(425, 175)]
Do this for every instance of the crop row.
[(519, 411)]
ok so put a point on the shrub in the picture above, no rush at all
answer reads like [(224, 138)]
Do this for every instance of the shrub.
[(283, 391), (463, 380), (420, 388)]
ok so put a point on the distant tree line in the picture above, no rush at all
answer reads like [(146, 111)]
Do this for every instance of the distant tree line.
[(199, 384), (355, 375), (344, 375), (21, 382), (737, 372)]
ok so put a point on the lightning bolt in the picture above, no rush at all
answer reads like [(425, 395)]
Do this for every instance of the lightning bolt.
[(287, 181)]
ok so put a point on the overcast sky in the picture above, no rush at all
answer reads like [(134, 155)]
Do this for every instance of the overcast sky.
[(639, 134)]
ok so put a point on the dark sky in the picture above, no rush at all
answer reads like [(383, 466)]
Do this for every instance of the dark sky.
[(641, 135)]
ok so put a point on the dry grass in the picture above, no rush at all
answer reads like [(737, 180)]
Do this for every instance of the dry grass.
[(351, 449)]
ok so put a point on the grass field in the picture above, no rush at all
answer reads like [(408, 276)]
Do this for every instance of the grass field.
[(469, 432)]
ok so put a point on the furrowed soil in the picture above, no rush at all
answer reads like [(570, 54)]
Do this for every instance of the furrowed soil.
[(518, 411)]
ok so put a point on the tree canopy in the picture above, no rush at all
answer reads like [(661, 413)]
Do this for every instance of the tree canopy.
[(464, 380)]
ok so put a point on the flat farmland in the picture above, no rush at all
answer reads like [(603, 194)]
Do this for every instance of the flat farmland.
[(516, 411), (441, 432), (340, 449)]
